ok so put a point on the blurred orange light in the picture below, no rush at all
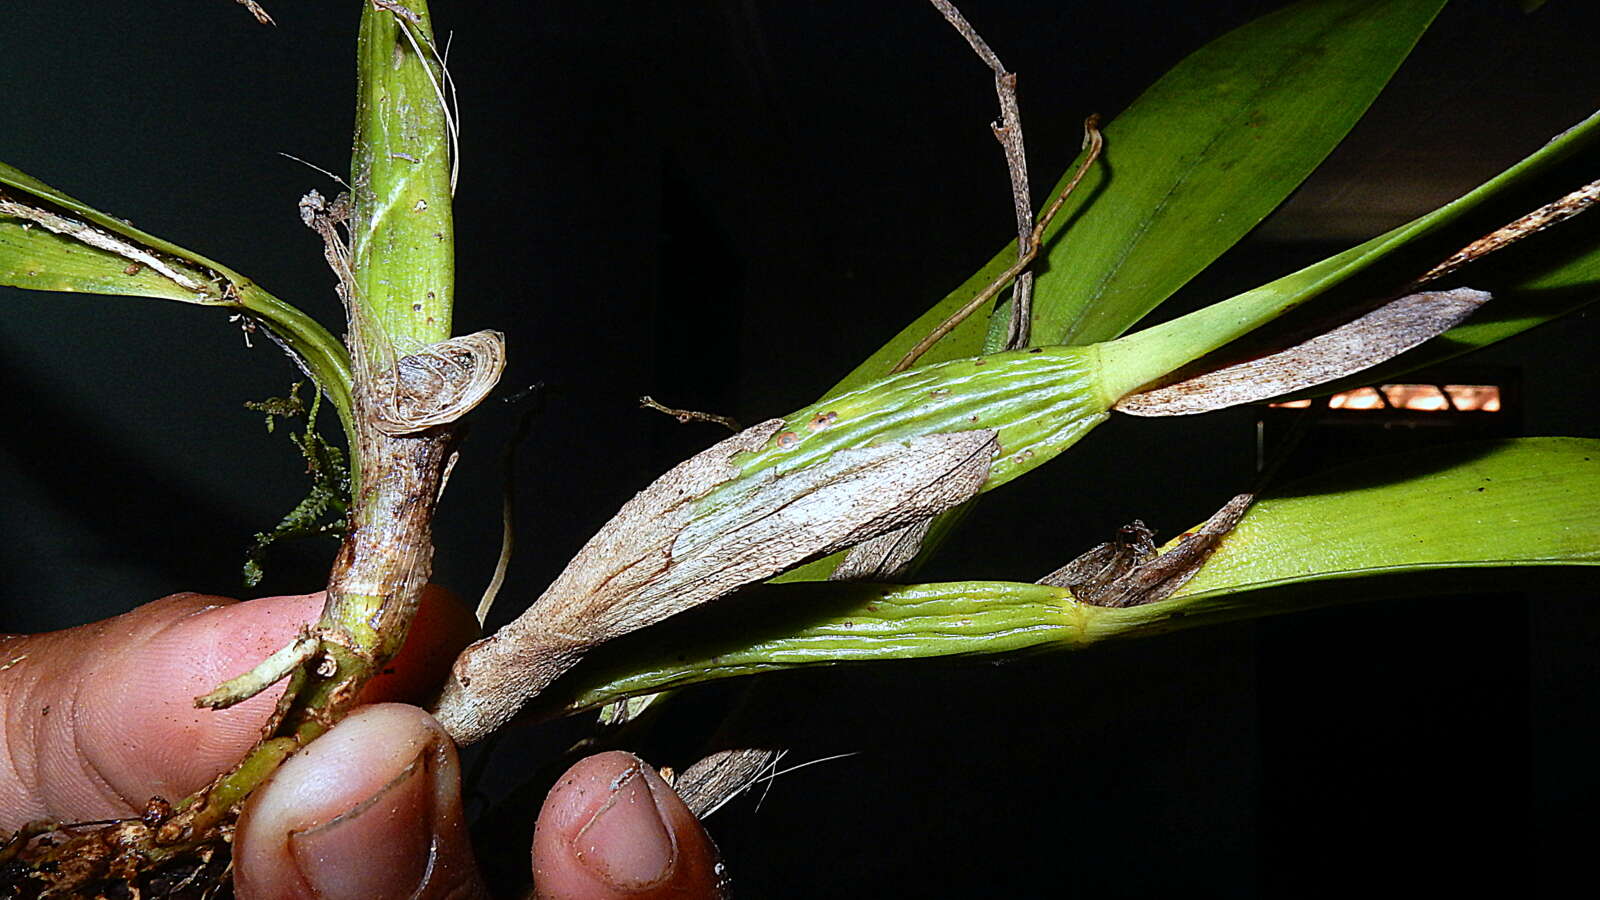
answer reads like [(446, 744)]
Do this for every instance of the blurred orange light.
[(1412, 397), (1482, 397), (1360, 398), (1421, 397)]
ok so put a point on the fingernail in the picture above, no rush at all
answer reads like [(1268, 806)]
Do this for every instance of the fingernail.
[(625, 843), (375, 847)]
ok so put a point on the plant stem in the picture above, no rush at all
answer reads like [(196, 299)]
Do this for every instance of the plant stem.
[(398, 296), (401, 235), (397, 291)]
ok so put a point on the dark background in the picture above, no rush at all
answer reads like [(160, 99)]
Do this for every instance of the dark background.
[(726, 205)]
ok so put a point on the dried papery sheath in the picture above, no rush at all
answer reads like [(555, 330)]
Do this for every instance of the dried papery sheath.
[(1093, 572), (833, 475), (438, 384), (706, 528), (1375, 337), (1156, 578), (884, 557), (722, 775)]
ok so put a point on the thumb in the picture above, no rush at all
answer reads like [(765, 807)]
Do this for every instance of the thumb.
[(612, 829), (371, 809)]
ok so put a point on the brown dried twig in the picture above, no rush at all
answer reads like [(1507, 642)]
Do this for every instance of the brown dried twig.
[(1506, 235), (257, 10), (1008, 131), (1093, 142), (685, 416)]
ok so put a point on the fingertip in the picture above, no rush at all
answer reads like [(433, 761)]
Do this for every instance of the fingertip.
[(371, 809), (612, 828)]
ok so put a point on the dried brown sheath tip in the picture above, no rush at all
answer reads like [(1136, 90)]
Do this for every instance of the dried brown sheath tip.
[(674, 547), (1545, 216), (1156, 578), (1097, 570), (884, 557), (709, 783), (1362, 343)]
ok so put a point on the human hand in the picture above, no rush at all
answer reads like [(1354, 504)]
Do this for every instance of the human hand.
[(96, 720)]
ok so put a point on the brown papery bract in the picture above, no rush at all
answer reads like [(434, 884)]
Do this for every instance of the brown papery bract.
[(1361, 343), (675, 546)]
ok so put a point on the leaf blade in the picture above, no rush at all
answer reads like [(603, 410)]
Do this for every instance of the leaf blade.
[(88, 251), (1088, 245), (1146, 355), (1522, 502), (1215, 146), (93, 270)]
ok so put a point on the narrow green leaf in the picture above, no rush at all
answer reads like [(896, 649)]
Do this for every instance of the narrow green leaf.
[(1503, 505), (1141, 357), (1191, 167), (91, 252), (35, 257), (1527, 502), (1537, 283)]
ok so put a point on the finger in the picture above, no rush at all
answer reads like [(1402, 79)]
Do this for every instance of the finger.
[(372, 809), (98, 719), (612, 828)]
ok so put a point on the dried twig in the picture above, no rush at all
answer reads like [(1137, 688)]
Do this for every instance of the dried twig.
[(1008, 131), (1093, 143), (685, 416), (257, 11), (1532, 223)]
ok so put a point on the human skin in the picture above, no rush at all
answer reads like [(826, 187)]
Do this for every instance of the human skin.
[(96, 720)]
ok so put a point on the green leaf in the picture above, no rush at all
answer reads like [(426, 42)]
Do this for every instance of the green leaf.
[(1536, 283), (1190, 167), (1148, 354), (1503, 505), (1212, 148), (34, 256), (50, 241), (1526, 502)]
